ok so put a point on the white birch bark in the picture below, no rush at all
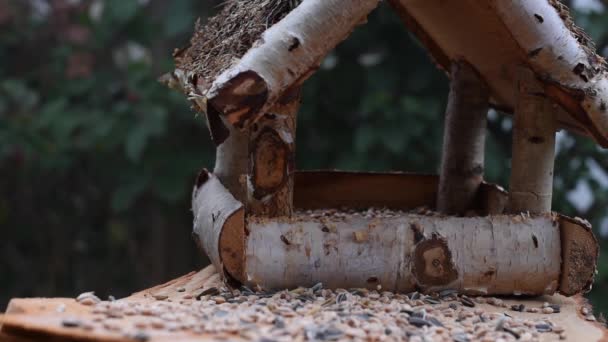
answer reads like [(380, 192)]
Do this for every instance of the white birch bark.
[(287, 54), (500, 254), (533, 152), (231, 161), (216, 211), (483, 255), (538, 26), (464, 138), (497, 37)]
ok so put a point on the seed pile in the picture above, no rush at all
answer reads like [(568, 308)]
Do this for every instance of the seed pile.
[(318, 314), (370, 213)]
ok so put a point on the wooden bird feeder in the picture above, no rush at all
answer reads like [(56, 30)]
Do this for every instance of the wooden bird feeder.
[(267, 226), (253, 212)]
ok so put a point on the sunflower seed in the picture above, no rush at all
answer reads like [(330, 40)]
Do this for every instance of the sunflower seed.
[(419, 322), (71, 323)]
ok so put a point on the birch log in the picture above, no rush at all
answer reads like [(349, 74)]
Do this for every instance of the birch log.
[(482, 255), (272, 159), (501, 35), (219, 225), (462, 162), (565, 55), (231, 144), (231, 160), (287, 54), (533, 153), (501, 254)]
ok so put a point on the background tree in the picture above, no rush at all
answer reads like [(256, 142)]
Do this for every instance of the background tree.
[(97, 159)]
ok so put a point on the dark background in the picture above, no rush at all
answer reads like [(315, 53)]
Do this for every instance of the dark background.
[(97, 159)]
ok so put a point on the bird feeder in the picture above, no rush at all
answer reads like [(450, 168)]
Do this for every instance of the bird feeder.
[(266, 225)]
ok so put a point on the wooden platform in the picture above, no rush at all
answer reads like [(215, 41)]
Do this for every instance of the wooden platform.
[(64, 319)]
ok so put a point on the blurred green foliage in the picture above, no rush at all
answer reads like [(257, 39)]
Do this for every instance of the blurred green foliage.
[(97, 158)]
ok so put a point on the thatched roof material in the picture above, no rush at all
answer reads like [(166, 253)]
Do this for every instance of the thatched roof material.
[(226, 37)]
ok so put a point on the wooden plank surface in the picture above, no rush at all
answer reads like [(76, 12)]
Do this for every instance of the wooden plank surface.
[(40, 319)]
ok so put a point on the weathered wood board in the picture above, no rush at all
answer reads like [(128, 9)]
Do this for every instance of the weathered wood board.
[(38, 319)]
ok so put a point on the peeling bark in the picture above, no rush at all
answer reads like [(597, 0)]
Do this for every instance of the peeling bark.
[(462, 162), (533, 153), (272, 160), (219, 224), (286, 56)]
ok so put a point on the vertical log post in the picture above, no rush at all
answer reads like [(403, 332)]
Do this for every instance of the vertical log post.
[(533, 156), (230, 154), (231, 163), (272, 159), (462, 161)]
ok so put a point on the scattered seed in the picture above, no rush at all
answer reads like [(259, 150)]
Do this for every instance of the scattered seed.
[(558, 329), (430, 300), (157, 324), (219, 300), (500, 324), (160, 297), (141, 336), (414, 295), (447, 293), (512, 332), (88, 298), (435, 321), (71, 323), (212, 291), (317, 313), (460, 337), (591, 318), (466, 301), (548, 310), (543, 327), (518, 307), (419, 322)]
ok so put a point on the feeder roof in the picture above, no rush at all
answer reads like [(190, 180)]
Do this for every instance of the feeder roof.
[(243, 46), (499, 36)]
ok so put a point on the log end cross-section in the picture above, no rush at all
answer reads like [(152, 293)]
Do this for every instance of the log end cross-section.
[(240, 98), (580, 252)]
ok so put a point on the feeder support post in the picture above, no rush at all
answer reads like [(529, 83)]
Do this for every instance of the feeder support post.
[(533, 154), (272, 158), (462, 161), (231, 162)]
